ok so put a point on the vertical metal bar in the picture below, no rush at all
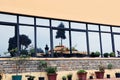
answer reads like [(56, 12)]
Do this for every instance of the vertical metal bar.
[(51, 38), (100, 41), (18, 43), (87, 40), (70, 42), (112, 38), (35, 32)]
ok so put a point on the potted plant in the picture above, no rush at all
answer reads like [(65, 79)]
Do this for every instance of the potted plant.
[(82, 74), (51, 73), (63, 77), (100, 74), (69, 76), (17, 60), (20, 62), (30, 77), (42, 65)]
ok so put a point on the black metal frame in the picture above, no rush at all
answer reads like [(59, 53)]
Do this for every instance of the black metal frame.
[(68, 29)]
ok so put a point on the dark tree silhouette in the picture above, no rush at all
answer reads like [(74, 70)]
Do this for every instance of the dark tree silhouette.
[(23, 40), (61, 32), (12, 45)]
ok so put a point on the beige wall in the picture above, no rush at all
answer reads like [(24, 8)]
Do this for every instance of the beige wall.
[(97, 11)]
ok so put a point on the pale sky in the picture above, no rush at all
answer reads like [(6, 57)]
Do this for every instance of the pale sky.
[(96, 11)]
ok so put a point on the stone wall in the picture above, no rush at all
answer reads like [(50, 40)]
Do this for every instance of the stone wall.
[(63, 64)]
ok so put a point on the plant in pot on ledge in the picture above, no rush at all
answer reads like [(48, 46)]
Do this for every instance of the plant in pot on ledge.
[(100, 74), (82, 74), (63, 77), (30, 77), (69, 76), (20, 54), (19, 62), (51, 73), (16, 61), (41, 66)]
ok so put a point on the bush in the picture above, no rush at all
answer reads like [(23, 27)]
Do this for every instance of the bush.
[(95, 54), (24, 52), (42, 65), (112, 54), (109, 66), (106, 54), (92, 54)]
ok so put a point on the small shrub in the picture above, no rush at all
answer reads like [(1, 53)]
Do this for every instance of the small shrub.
[(92, 54), (24, 52), (97, 54), (112, 54), (69, 76), (81, 71), (30, 76), (64, 77), (109, 66), (106, 54), (101, 67), (51, 69), (42, 65)]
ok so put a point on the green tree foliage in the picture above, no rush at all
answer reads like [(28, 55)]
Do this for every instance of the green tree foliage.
[(61, 32), (23, 40)]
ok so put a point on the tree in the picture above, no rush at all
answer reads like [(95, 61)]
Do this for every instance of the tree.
[(61, 32), (24, 41)]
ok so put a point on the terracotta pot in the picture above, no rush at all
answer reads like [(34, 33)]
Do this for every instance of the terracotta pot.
[(82, 76), (52, 76), (99, 75)]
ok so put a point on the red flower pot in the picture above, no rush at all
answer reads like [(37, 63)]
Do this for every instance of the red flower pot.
[(99, 75), (52, 76), (82, 76)]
